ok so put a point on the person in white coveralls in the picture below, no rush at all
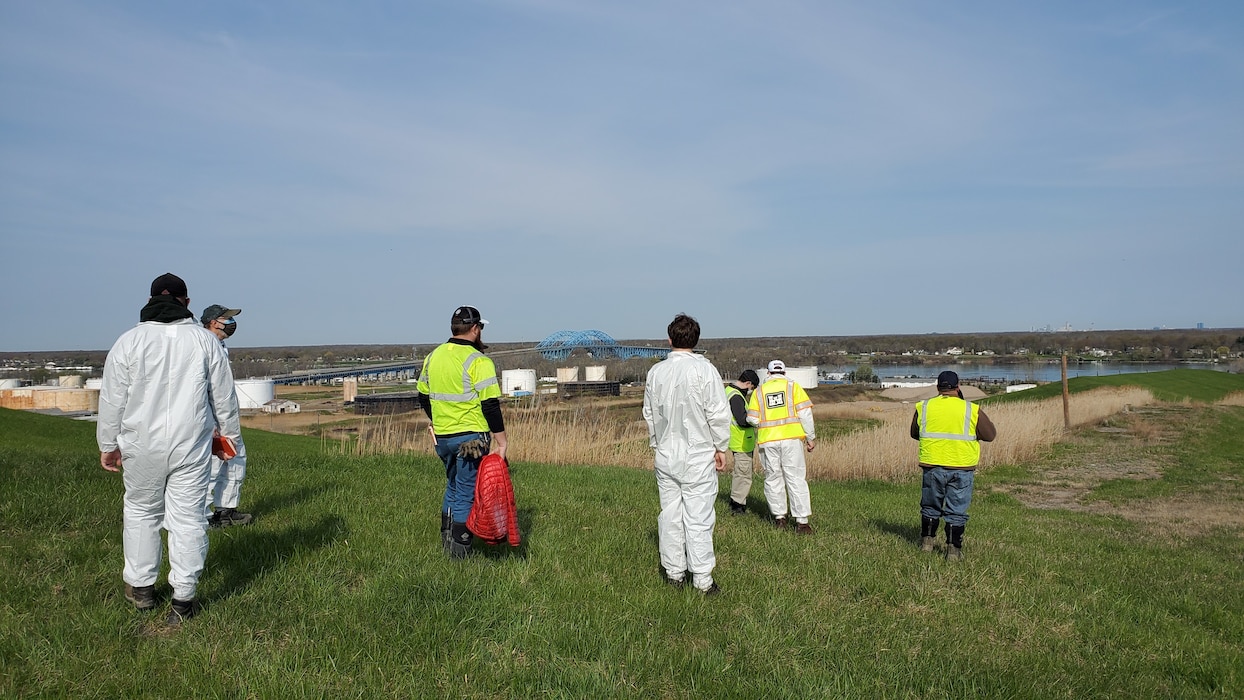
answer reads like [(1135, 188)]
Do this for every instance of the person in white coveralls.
[(225, 486), (688, 421), (167, 388)]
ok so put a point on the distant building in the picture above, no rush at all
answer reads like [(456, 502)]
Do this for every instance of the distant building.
[(907, 383), (281, 406)]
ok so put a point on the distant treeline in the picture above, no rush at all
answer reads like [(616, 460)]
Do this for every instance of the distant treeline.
[(735, 354)]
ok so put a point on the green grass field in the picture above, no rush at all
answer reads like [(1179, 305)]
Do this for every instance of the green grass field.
[(340, 587), (1168, 385)]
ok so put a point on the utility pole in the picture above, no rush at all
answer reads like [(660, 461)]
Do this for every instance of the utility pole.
[(1066, 397)]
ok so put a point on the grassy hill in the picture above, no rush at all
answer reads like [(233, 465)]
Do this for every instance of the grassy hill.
[(1168, 385), (340, 588)]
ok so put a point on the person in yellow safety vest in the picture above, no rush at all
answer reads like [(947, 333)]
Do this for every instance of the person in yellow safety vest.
[(742, 439), (950, 431), (458, 391), (782, 413)]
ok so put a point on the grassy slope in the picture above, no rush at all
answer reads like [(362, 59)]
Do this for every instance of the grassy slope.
[(1168, 385), (340, 587)]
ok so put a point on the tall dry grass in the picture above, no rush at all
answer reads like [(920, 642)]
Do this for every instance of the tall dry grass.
[(590, 435), (597, 435), (1233, 399), (582, 434), (1024, 428)]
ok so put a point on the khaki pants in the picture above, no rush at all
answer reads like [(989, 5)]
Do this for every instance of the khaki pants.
[(741, 477)]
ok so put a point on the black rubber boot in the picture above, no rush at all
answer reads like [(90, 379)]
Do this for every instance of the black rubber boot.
[(446, 522), (954, 542), (459, 541), (928, 533), (180, 611)]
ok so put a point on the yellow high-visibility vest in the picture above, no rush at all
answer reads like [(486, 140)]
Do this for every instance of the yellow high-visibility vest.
[(457, 378), (741, 439), (776, 404), (948, 432)]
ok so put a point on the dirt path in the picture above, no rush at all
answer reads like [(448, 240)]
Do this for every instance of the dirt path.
[(1134, 445)]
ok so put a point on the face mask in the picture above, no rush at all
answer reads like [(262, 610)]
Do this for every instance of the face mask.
[(230, 327)]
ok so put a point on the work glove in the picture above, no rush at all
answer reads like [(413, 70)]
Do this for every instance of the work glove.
[(473, 449)]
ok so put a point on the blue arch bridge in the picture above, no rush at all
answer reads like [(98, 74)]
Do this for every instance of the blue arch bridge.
[(598, 344), (556, 347)]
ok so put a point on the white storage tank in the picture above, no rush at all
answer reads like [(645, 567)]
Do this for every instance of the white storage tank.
[(95, 383), (567, 374), (254, 393), (70, 381), (11, 383), (518, 382), (595, 373), (805, 377)]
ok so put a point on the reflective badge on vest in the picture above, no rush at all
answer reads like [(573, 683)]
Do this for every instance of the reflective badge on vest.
[(775, 400)]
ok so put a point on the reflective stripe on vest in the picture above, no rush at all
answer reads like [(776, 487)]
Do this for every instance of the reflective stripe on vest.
[(455, 397), (469, 392), (741, 439), (780, 427), (967, 433), (959, 449)]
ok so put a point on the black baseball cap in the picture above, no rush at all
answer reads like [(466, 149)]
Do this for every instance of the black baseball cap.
[(468, 315), (947, 380), (216, 311), (170, 284)]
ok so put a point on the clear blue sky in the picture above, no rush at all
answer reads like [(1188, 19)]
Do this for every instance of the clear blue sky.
[(349, 172)]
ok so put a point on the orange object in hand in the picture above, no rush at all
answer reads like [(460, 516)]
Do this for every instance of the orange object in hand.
[(223, 448)]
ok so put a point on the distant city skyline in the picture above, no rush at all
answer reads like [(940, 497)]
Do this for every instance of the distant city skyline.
[(349, 173)]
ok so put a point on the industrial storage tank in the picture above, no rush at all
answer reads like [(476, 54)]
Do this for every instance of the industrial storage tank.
[(805, 377), (254, 393), (594, 373), (47, 398), (567, 374), (70, 381), (10, 383), (95, 383), (518, 382)]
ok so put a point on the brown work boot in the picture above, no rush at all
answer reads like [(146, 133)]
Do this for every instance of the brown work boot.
[(143, 597), (928, 544), (779, 523), (803, 529)]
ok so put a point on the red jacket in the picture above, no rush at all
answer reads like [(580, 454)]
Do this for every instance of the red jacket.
[(494, 517)]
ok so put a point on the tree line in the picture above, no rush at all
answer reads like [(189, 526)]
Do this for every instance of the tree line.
[(731, 355)]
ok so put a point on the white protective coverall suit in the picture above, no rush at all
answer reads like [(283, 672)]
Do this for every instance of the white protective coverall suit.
[(688, 421), (224, 486), (166, 389)]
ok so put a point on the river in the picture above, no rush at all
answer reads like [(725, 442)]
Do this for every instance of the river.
[(1025, 372)]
